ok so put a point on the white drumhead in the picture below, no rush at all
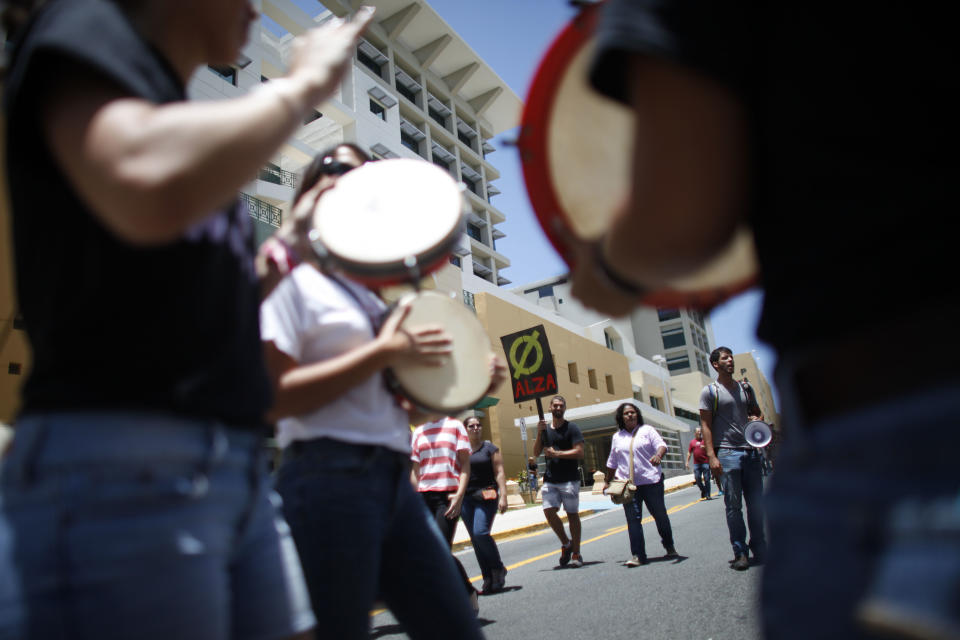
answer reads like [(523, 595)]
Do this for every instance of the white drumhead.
[(589, 150), (385, 211), (590, 141), (465, 377)]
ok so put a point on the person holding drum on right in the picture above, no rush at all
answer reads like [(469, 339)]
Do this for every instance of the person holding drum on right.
[(344, 477)]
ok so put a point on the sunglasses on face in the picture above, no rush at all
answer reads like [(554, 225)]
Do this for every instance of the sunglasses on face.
[(332, 167)]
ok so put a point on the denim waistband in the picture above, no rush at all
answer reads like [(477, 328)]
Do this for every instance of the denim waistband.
[(84, 438)]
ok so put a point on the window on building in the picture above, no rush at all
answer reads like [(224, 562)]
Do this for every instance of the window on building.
[(678, 362), (14, 368), (673, 338), (668, 314), (455, 260), (369, 62), (572, 372), (440, 118), (473, 185), (468, 300), (656, 403), (226, 72), (378, 109), (313, 115), (475, 232), (638, 396), (409, 142), (609, 380), (545, 291), (407, 93), (465, 139), (592, 378), (683, 413), (440, 163)]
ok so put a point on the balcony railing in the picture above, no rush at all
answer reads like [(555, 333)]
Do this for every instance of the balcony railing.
[(262, 211), (278, 176)]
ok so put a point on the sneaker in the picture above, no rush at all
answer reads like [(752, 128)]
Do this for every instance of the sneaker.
[(635, 561), (741, 563), (576, 560), (672, 552), (565, 555)]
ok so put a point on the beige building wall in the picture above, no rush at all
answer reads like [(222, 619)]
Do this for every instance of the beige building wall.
[(14, 350), (611, 374), (745, 367)]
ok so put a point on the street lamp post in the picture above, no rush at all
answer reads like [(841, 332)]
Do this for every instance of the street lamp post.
[(662, 362)]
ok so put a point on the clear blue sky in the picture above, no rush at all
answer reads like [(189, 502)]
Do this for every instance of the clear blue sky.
[(511, 36)]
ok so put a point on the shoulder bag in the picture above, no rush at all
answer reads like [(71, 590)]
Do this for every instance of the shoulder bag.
[(621, 491)]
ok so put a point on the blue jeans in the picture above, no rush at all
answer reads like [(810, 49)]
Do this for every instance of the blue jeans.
[(743, 483), (478, 517), (864, 515), (126, 525), (652, 496), (701, 475), (363, 533)]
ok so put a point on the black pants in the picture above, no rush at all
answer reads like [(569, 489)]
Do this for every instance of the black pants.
[(437, 504)]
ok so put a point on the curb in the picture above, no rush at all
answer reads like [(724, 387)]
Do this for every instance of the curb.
[(539, 526)]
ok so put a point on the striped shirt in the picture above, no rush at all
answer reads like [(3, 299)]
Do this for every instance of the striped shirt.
[(434, 448)]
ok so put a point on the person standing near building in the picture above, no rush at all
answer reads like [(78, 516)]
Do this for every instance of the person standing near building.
[(561, 444), (646, 446), (726, 406), (136, 499), (440, 453), (532, 471), (486, 494), (701, 466)]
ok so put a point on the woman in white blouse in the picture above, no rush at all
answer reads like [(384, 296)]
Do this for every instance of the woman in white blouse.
[(648, 448)]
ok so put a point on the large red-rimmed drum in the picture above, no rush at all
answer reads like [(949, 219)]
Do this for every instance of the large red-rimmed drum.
[(576, 149)]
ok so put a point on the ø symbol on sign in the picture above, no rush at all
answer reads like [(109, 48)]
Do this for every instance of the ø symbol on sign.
[(531, 342)]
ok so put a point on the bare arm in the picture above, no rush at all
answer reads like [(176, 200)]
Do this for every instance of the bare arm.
[(456, 500), (149, 171), (538, 445), (706, 425), (576, 453), (501, 477), (300, 389), (689, 175), (415, 475)]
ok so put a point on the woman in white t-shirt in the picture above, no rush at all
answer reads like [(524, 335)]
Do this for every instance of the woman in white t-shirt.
[(344, 477)]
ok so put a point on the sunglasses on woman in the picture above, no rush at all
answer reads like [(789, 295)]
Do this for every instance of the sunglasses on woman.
[(333, 167)]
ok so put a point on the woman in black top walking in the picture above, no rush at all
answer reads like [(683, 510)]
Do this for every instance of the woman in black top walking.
[(486, 493)]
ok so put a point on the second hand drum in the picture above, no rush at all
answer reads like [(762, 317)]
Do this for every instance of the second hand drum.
[(576, 150), (393, 222)]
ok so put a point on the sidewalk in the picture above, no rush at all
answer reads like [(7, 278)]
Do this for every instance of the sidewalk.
[(529, 519)]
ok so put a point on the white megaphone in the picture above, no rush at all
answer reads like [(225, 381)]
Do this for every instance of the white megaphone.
[(757, 433)]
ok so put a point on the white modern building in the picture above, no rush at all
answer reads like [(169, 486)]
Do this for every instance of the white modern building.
[(415, 90)]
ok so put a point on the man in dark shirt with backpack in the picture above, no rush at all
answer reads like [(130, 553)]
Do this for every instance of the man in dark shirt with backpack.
[(726, 406)]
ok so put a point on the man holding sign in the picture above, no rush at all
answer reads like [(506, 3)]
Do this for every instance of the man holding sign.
[(561, 443)]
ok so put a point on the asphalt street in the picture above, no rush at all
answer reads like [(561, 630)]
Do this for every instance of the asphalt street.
[(697, 596)]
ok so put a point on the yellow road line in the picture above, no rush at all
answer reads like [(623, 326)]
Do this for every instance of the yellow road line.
[(609, 533)]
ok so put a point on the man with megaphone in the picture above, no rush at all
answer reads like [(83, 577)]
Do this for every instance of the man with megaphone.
[(727, 407)]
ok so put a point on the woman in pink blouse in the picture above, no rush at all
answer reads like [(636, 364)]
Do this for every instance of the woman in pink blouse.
[(648, 449)]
